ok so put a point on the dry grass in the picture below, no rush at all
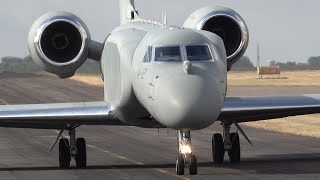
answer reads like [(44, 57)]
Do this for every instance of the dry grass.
[(88, 79), (287, 78), (244, 78), (298, 125)]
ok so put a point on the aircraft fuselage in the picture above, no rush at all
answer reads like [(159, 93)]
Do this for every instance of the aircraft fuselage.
[(140, 85)]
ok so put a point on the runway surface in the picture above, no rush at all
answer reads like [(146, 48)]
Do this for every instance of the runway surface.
[(134, 153)]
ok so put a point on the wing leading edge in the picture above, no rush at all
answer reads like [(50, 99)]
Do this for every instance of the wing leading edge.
[(245, 109), (57, 116)]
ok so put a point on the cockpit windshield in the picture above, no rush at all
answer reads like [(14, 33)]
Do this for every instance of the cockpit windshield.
[(168, 54), (198, 53)]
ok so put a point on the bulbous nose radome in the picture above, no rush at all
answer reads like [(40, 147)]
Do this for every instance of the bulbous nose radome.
[(188, 102)]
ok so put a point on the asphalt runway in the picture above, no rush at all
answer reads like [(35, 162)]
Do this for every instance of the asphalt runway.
[(134, 153)]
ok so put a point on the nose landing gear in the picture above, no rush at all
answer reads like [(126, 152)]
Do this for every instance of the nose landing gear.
[(185, 157)]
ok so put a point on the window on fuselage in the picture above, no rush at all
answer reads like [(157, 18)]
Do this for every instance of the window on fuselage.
[(168, 54), (198, 53), (147, 56)]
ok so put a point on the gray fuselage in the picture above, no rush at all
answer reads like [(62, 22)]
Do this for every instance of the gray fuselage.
[(138, 88)]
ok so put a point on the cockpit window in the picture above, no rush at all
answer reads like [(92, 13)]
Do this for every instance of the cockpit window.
[(168, 54), (147, 56), (198, 53)]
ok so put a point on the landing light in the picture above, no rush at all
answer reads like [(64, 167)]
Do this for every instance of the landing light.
[(186, 149)]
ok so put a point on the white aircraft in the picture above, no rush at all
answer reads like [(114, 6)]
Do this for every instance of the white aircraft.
[(156, 76)]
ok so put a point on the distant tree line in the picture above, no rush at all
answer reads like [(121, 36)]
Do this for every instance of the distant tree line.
[(244, 62), (313, 63), (27, 65), (18, 65)]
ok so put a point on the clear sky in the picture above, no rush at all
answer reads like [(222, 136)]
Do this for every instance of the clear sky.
[(287, 30)]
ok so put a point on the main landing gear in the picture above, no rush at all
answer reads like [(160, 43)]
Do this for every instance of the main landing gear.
[(76, 149), (229, 142), (185, 157)]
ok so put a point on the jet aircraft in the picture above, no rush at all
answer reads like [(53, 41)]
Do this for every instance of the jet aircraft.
[(155, 76)]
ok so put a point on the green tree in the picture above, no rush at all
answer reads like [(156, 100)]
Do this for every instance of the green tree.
[(30, 65), (273, 63), (19, 65), (244, 62), (90, 67), (314, 61)]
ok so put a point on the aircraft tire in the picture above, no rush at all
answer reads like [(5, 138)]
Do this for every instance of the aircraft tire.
[(217, 149), (180, 165), (193, 168), (234, 153), (64, 153), (81, 156)]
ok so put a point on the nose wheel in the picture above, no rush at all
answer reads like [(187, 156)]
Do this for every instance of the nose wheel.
[(180, 164), (217, 149), (193, 167), (76, 149), (185, 157)]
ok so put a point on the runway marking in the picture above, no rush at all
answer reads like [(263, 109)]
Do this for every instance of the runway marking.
[(113, 154), (3, 101), (137, 162), (131, 160)]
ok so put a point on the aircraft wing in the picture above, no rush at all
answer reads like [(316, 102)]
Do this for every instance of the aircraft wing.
[(57, 116), (245, 109)]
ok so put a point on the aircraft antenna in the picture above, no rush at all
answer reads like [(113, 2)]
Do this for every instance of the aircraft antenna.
[(162, 17), (164, 20)]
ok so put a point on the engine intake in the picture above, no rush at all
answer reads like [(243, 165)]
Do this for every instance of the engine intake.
[(227, 24), (58, 41)]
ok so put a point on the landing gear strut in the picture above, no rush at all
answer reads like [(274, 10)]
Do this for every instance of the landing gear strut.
[(76, 149), (185, 157), (229, 142)]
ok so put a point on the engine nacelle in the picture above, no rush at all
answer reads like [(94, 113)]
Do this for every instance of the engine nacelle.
[(58, 41), (227, 24)]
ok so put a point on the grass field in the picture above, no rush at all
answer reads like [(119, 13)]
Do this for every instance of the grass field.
[(244, 78), (287, 78), (299, 125), (88, 79), (307, 125)]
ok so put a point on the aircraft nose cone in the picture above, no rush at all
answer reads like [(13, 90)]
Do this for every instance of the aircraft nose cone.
[(189, 102)]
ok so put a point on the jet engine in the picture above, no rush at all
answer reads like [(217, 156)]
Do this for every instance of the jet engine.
[(227, 24), (58, 41)]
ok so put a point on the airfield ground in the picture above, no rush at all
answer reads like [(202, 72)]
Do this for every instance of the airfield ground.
[(136, 153), (307, 125), (299, 80)]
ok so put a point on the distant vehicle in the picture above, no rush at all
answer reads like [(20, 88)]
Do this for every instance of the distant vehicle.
[(156, 75)]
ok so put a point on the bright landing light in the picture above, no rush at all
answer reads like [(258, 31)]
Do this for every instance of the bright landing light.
[(186, 149)]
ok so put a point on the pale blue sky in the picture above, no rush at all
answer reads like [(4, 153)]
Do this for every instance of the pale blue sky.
[(287, 30)]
